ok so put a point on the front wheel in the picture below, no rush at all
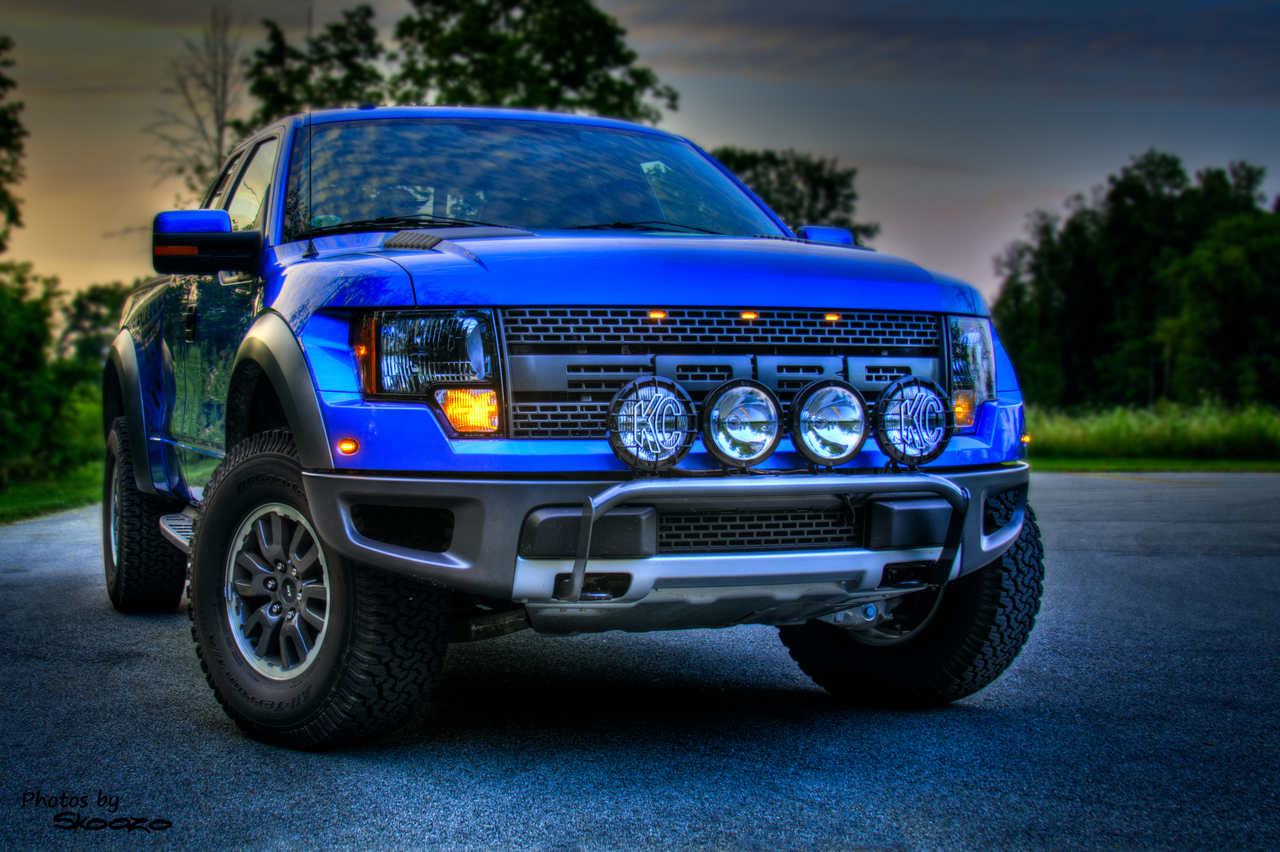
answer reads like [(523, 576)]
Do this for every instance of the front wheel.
[(302, 648), (958, 639)]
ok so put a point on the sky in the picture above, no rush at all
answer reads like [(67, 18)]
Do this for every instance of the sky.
[(961, 118)]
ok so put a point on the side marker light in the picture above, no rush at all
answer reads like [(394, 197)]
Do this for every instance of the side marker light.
[(347, 446), (1026, 439)]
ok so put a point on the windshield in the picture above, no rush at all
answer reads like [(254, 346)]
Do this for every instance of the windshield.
[(524, 174)]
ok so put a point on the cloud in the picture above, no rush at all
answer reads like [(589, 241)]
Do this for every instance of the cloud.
[(1183, 50)]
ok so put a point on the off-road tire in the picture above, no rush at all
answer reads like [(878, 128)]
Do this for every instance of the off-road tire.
[(385, 637), (981, 625), (145, 573)]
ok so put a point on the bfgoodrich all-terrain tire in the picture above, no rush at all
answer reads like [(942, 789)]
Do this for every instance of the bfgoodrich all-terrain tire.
[(302, 649), (145, 573), (979, 626)]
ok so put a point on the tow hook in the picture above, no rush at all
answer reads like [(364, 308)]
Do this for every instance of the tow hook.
[(860, 617)]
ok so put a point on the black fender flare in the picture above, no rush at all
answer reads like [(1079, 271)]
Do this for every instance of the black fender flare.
[(123, 357), (271, 344)]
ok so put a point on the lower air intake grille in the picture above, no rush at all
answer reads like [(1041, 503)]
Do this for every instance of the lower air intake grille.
[(559, 419), (758, 529)]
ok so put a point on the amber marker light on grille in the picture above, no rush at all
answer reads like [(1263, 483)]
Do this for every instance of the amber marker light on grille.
[(347, 446), (470, 409), (832, 318), (750, 315), (657, 314)]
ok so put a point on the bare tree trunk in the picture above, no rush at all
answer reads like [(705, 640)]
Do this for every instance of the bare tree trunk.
[(197, 134)]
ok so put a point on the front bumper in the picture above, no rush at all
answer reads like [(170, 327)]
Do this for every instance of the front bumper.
[(666, 591)]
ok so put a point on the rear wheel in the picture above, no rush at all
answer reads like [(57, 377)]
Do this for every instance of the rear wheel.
[(302, 648), (144, 572), (946, 643)]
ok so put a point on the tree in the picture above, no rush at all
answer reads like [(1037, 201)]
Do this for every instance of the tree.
[(29, 394), (91, 319), (198, 134), (801, 188), (336, 68), (1225, 341), (11, 148), (1082, 301), (540, 54)]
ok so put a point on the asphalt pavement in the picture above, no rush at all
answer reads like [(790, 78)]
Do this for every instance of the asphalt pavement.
[(1143, 714)]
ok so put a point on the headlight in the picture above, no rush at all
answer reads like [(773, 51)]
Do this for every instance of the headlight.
[(828, 422), (413, 353), (651, 424), (741, 422), (913, 421), (973, 367)]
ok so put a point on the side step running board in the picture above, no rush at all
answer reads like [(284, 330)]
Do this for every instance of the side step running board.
[(177, 528)]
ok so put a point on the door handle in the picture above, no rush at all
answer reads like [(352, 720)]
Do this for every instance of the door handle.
[(189, 324)]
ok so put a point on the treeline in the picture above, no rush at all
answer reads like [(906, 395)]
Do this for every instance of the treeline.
[(1159, 287), (50, 385)]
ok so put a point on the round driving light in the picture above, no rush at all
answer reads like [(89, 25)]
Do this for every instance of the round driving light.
[(913, 421), (651, 424), (741, 422), (828, 422)]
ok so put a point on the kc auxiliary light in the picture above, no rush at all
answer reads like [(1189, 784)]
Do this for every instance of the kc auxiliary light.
[(828, 422), (913, 421), (741, 423), (651, 425)]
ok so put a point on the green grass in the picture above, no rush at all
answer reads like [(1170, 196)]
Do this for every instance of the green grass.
[(1167, 434), (79, 487), (1154, 464)]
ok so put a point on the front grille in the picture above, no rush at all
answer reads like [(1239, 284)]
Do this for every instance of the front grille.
[(758, 529), (725, 326), (559, 419), (885, 374)]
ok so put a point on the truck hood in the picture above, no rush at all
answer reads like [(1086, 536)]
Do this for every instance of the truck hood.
[(577, 268)]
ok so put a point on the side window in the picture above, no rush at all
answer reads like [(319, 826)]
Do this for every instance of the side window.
[(254, 187), (224, 180)]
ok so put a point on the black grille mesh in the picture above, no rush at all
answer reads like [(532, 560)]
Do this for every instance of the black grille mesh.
[(559, 419), (757, 529), (778, 327)]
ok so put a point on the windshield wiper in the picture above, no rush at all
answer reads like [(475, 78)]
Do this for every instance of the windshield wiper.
[(394, 223), (651, 225)]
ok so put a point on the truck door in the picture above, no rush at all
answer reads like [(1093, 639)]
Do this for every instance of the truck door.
[(225, 305), (180, 326)]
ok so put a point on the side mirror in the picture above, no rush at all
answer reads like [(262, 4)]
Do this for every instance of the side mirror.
[(823, 234), (201, 242)]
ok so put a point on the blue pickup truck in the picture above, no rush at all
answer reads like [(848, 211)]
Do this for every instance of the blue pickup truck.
[(414, 376)]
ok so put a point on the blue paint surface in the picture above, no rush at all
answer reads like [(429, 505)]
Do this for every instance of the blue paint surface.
[(192, 222)]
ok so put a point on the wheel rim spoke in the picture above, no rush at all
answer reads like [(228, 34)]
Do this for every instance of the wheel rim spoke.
[(270, 627), (259, 573), (270, 537), (314, 594), (292, 638)]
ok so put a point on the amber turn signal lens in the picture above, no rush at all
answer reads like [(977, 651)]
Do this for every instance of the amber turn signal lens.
[(750, 315), (347, 446), (1026, 439), (964, 408), (470, 409)]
